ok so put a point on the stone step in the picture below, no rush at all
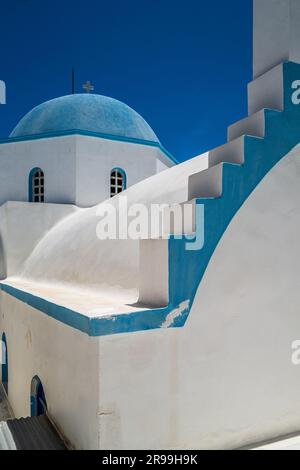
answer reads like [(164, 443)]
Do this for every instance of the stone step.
[(232, 152), (206, 184), (253, 125)]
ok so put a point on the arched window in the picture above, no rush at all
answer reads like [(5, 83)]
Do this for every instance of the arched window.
[(36, 185), (117, 181), (38, 402), (4, 363)]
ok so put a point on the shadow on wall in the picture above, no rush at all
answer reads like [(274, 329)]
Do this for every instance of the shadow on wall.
[(3, 267)]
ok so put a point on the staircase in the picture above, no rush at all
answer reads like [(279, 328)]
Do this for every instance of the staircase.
[(255, 144)]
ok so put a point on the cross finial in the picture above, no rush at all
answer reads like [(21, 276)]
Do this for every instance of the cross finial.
[(88, 87), (73, 81)]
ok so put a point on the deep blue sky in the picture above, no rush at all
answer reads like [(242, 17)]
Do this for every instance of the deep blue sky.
[(183, 65)]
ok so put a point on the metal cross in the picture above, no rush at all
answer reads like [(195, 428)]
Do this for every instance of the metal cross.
[(88, 87)]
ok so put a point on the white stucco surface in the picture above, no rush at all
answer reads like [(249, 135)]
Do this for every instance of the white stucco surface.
[(77, 168), (223, 381), (22, 226), (276, 34), (289, 443), (213, 383), (72, 267), (97, 157), (226, 379), (266, 91), (56, 157), (65, 360)]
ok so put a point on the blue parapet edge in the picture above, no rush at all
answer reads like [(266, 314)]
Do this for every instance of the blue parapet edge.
[(131, 140), (123, 173), (186, 268), (98, 326)]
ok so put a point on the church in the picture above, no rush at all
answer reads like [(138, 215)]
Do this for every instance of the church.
[(143, 343), (78, 149)]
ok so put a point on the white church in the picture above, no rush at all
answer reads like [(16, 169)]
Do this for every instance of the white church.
[(145, 344)]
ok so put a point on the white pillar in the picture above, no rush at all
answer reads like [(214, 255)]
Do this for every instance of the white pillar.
[(276, 35), (154, 272)]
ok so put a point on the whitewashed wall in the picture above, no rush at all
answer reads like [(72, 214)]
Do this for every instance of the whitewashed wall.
[(226, 379), (73, 253), (22, 226), (56, 157), (65, 360), (97, 157), (77, 168), (276, 34)]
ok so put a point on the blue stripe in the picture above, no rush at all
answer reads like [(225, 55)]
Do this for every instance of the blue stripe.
[(117, 323), (63, 314)]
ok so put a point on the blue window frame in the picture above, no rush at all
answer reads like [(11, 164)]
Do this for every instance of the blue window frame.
[(117, 181), (36, 185)]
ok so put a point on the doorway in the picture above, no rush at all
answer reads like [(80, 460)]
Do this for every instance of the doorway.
[(38, 402), (4, 365)]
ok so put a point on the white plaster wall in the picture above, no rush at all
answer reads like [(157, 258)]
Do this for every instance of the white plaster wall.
[(138, 390), (40, 345), (276, 33), (22, 226), (266, 91), (55, 156), (65, 360), (77, 168), (154, 276), (73, 253), (162, 161), (97, 157), (226, 379)]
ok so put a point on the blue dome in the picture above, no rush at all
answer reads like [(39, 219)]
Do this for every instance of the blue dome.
[(85, 112)]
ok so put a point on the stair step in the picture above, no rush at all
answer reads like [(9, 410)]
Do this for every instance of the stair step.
[(232, 152), (253, 125), (206, 183), (267, 91)]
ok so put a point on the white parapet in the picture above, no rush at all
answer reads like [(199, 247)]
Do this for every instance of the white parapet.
[(154, 273)]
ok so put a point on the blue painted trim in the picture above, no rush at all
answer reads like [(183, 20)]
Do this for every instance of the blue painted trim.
[(100, 326), (63, 314), (186, 268), (117, 138), (4, 367), (123, 173), (30, 185)]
